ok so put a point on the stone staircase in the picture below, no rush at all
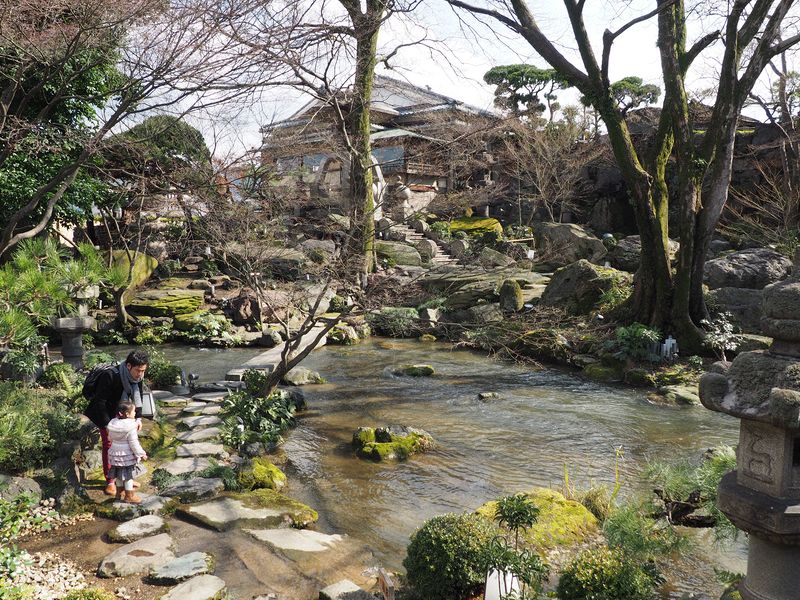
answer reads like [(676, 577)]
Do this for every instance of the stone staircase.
[(426, 246)]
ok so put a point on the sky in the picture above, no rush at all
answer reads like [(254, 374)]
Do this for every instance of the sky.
[(460, 50)]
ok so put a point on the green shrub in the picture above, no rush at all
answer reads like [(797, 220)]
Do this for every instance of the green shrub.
[(251, 418), (14, 514), (32, 427), (442, 230), (395, 322), (12, 559), (90, 594), (68, 384), (603, 574), (97, 357), (205, 325), (153, 334), (161, 373), (631, 529), (633, 343), (446, 557)]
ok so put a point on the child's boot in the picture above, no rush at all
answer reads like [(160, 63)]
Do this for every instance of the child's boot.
[(111, 489), (130, 497)]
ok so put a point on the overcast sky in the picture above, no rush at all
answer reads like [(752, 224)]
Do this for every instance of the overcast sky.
[(457, 57)]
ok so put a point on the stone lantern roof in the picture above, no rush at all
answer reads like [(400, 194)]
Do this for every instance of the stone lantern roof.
[(764, 385)]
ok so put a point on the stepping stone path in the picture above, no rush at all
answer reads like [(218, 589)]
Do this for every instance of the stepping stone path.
[(202, 587), (202, 449), (199, 435), (301, 557), (183, 567), (138, 557), (138, 528), (297, 540)]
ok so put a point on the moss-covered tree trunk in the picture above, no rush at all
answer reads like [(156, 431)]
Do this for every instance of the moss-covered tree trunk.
[(366, 26)]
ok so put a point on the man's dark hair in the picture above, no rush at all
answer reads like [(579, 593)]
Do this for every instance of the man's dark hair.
[(137, 358)]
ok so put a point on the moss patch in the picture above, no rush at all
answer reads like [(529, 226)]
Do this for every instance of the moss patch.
[(300, 514), (159, 441), (561, 522), (186, 321), (476, 225), (261, 474), (603, 373), (143, 267), (166, 303)]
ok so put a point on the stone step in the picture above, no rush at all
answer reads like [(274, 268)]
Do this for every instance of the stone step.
[(138, 557), (194, 489), (201, 587), (182, 466), (209, 396), (199, 435), (227, 513), (182, 568), (295, 540), (201, 449), (124, 511), (136, 529), (201, 421)]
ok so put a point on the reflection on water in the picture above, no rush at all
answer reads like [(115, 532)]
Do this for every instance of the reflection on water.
[(543, 422)]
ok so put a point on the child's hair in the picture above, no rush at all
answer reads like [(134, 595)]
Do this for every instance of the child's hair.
[(124, 407)]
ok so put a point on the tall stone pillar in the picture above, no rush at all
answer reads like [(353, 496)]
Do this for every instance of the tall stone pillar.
[(762, 497)]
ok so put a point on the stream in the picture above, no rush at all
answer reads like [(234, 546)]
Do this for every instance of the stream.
[(545, 422)]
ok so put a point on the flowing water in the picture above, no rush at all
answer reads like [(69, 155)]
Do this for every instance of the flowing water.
[(543, 422)]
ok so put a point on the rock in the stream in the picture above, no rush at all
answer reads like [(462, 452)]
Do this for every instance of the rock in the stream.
[(344, 590), (297, 540), (414, 370), (201, 587), (138, 528), (259, 508), (137, 557), (183, 567), (194, 489), (302, 376), (124, 511)]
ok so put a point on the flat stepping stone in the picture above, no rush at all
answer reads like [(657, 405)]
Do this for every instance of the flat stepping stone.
[(211, 409), (138, 528), (297, 540), (344, 590), (201, 449), (210, 396), (175, 402), (151, 505), (182, 568), (199, 435), (182, 466), (201, 587), (161, 394), (194, 489), (194, 408), (201, 421), (138, 557), (226, 513)]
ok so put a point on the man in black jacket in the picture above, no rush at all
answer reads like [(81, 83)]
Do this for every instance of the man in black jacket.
[(113, 384)]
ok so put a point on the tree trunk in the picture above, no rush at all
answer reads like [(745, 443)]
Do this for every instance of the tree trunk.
[(359, 125)]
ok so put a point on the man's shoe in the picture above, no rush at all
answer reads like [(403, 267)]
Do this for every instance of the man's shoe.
[(131, 497), (111, 489)]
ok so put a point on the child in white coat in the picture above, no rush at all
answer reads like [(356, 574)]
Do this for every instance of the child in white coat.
[(126, 454)]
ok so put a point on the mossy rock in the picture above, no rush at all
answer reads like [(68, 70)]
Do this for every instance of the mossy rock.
[(397, 253), (427, 337), (511, 296), (143, 267), (414, 370), (686, 395), (301, 515), (561, 522), (390, 443), (186, 321), (547, 345), (603, 373), (261, 474), (166, 303), (639, 378), (476, 226)]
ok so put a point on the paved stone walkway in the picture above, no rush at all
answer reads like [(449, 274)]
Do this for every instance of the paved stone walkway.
[(206, 542)]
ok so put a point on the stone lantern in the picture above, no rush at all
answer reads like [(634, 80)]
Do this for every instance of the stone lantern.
[(762, 497), (72, 328)]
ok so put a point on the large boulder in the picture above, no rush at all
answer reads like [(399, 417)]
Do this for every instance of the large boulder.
[(626, 255), (577, 288), (480, 314), (286, 263), (166, 303), (564, 243), (743, 304), (11, 487), (392, 442), (511, 298), (492, 258), (754, 268), (318, 250), (244, 308), (397, 253)]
